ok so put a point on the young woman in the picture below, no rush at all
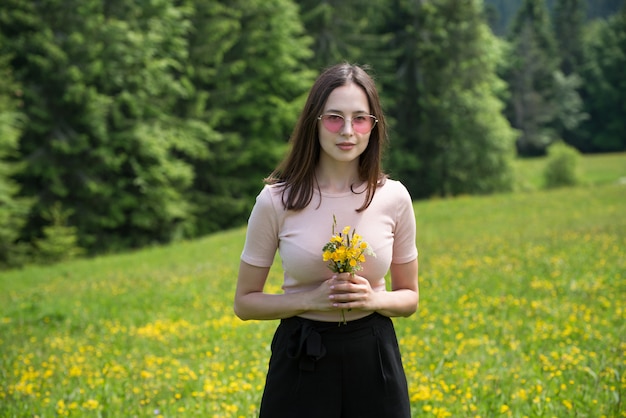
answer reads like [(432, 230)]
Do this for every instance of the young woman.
[(321, 365)]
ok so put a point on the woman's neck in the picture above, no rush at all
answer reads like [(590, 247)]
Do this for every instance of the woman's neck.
[(337, 179)]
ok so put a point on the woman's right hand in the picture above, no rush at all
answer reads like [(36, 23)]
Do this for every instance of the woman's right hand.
[(321, 298)]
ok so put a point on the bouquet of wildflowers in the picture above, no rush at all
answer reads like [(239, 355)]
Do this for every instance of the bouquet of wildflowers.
[(345, 252)]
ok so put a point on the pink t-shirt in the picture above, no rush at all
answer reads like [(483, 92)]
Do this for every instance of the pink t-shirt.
[(388, 225)]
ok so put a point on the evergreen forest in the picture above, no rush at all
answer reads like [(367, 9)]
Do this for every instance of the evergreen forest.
[(128, 124)]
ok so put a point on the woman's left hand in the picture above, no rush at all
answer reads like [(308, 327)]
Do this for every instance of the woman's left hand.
[(350, 291)]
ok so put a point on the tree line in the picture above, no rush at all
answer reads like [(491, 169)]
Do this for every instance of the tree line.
[(126, 124), (501, 13)]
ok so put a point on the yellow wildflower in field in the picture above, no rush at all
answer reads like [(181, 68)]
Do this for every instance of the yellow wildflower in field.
[(91, 404)]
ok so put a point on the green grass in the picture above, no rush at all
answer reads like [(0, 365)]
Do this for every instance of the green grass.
[(595, 169), (522, 313)]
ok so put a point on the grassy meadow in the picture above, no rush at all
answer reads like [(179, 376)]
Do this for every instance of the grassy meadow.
[(522, 314)]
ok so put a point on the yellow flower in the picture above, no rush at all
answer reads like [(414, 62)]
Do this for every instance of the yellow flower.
[(91, 404), (344, 252)]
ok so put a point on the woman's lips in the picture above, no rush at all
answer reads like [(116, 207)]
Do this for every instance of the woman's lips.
[(346, 146)]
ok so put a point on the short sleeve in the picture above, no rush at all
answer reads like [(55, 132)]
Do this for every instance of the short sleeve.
[(404, 247), (262, 232)]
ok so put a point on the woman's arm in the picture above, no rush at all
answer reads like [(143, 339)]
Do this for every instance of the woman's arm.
[(403, 299), (252, 303)]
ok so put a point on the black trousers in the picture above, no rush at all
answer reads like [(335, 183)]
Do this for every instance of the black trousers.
[(325, 370)]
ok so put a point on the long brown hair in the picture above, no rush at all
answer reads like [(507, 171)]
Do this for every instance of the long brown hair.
[(296, 173)]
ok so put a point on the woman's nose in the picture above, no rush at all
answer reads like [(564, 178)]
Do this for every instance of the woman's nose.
[(347, 129)]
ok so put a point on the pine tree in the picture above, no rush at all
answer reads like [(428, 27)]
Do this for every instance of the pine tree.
[(13, 208), (60, 241), (569, 19), (343, 30), (530, 73), (604, 86), (450, 135), (100, 85), (246, 62)]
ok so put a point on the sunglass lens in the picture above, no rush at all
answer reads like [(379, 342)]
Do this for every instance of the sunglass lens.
[(362, 124), (333, 123)]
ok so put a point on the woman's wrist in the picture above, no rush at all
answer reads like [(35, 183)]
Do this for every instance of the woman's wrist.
[(402, 302)]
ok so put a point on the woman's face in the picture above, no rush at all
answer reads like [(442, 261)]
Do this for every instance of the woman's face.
[(347, 144)]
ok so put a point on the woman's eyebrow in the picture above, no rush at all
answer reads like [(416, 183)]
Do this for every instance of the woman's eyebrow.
[(357, 112)]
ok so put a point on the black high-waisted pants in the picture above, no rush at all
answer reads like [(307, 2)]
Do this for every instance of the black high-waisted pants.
[(325, 370)]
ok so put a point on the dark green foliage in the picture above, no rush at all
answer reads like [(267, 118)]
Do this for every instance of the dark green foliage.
[(569, 17), (604, 86), (548, 86), (152, 120), (562, 166), (568, 106), (530, 72), (450, 137), (99, 87), (345, 30), (502, 12), (335, 26), (155, 120), (13, 209), (534, 14), (247, 64)]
